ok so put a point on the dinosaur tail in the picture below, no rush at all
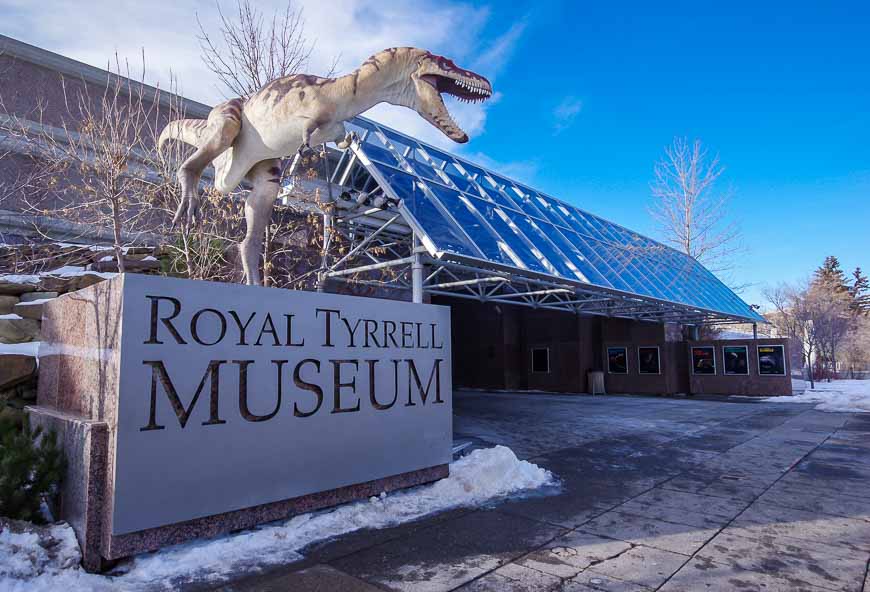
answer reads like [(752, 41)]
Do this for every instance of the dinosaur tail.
[(188, 131)]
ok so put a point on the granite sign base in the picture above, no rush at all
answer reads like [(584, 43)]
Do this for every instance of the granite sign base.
[(113, 420)]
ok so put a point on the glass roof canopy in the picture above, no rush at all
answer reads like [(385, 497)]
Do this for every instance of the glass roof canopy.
[(488, 232)]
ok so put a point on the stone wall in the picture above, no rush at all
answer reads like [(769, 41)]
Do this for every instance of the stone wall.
[(22, 296)]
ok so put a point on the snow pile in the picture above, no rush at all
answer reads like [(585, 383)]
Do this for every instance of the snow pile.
[(839, 395), (26, 553), (477, 478)]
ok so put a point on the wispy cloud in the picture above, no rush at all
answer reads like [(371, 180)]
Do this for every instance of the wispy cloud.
[(566, 113), (493, 59), (523, 171)]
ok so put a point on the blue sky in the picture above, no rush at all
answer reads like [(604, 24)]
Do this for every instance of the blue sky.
[(780, 90), (589, 94)]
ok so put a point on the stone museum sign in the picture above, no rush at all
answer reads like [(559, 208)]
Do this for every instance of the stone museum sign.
[(219, 406)]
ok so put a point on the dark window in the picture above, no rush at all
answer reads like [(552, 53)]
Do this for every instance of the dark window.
[(648, 360), (617, 360), (540, 359)]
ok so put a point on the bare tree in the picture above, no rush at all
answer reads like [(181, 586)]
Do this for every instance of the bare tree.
[(691, 214), (250, 49), (19, 174), (97, 159), (810, 316), (791, 317), (856, 348)]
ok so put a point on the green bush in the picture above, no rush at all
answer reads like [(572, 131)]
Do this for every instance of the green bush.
[(31, 467)]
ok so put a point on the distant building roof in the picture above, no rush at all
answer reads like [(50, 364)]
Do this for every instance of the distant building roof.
[(70, 67)]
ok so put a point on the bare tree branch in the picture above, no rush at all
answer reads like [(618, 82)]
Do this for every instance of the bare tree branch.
[(690, 214), (250, 49)]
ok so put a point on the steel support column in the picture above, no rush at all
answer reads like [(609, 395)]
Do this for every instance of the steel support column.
[(416, 275)]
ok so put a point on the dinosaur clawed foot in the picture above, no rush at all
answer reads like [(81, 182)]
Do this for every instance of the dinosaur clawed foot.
[(305, 151), (187, 214), (346, 142)]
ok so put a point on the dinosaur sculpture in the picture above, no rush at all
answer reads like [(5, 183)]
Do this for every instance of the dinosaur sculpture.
[(246, 138)]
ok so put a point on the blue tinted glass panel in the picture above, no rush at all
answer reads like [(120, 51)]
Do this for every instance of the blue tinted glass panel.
[(498, 197), (441, 231), (458, 179), (424, 170), (527, 203), (602, 227), (508, 235), (568, 242), (447, 165), (378, 154), (479, 233), (596, 252), (537, 235), (582, 225), (490, 191), (401, 143), (554, 215)]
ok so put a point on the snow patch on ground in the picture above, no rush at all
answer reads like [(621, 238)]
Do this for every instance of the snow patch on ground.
[(10, 317), (475, 479), (851, 396)]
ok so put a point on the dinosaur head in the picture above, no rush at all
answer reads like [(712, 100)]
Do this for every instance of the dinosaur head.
[(436, 75)]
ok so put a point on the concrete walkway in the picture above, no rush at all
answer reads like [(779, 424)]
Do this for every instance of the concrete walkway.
[(657, 494)]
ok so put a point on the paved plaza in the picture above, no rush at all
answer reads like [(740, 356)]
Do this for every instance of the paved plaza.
[(656, 494)]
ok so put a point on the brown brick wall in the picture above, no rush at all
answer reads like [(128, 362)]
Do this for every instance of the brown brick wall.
[(751, 384)]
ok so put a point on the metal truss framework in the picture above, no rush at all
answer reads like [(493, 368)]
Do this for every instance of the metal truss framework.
[(387, 250)]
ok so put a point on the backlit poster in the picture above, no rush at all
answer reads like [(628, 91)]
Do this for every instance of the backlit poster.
[(703, 360), (736, 359), (617, 360), (771, 360)]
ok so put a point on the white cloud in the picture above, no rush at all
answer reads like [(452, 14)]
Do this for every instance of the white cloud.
[(523, 171), (566, 113)]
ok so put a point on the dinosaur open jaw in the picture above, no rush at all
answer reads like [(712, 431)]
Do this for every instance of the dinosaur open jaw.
[(466, 89)]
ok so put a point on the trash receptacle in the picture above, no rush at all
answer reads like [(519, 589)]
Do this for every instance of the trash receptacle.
[(596, 382)]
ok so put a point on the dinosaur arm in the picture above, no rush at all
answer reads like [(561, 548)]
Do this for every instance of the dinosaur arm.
[(332, 131)]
